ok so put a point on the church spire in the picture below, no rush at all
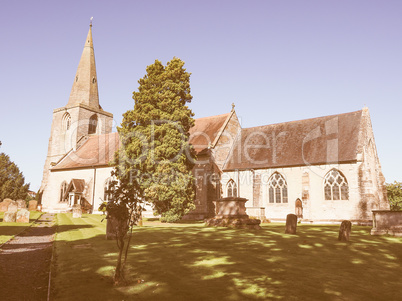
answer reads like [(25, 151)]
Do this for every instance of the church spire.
[(85, 86)]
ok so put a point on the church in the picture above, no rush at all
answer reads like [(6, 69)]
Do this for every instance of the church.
[(323, 169)]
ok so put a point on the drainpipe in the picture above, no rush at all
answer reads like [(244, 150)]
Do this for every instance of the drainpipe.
[(93, 191), (252, 186), (238, 183)]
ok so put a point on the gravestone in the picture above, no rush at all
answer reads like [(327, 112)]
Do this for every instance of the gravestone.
[(115, 227), (9, 217), (22, 216), (4, 206), (13, 207), (291, 224), (8, 201), (111, 223), (344, 231), (77, 211), (21, 204), (32, 205)]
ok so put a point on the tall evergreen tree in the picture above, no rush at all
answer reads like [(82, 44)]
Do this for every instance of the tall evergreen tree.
[(156, 156), (12, 182)]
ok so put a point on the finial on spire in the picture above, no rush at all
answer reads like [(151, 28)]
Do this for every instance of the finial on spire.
[(90, 21), (233, 106)]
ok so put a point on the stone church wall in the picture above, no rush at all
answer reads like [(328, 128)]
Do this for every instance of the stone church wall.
[(309, 189), (51, 195)]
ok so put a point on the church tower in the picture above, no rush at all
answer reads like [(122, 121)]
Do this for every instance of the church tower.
[(81, 117)]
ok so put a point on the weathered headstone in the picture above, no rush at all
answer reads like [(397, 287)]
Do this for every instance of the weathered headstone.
[(32, 205), (115, 227), (4, 206), (9, 217), (22, 216), (13, 207), (344, 231), (111, 223), (21, 204), (291, 224), (8, 201), (77, 211)]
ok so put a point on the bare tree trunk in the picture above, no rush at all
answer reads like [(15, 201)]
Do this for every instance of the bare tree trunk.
[(119, 276)]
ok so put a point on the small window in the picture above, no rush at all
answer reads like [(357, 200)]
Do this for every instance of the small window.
[(232, 189), (335, 186), (66, 121), (277, 189), (93, 123)]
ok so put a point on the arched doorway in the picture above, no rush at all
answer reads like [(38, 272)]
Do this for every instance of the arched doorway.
[(299, 209)]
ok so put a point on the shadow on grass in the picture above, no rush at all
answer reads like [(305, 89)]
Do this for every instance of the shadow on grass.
[(198, 263)]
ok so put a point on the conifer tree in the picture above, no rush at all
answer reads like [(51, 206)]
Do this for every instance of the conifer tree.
[(156, 156), (12, 182)]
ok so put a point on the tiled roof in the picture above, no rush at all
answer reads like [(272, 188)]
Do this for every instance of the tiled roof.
[(205, 131), (78, 185), (97, 151), (320, 140)]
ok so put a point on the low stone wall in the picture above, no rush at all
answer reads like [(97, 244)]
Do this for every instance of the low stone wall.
[(387, 222)]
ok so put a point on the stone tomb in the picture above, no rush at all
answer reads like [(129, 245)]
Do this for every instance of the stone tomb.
[(387, 222), (231, 212), (9, 217), (21, 204), (22, 216)]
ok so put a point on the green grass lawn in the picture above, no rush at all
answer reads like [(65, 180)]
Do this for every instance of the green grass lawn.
[(9, 230), (193, 262)]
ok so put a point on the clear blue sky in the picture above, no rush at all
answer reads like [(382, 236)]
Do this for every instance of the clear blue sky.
[(276, 60)]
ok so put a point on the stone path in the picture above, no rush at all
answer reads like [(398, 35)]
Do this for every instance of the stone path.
[(25, 262)]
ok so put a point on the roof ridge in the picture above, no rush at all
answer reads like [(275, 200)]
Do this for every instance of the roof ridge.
[(214, 116), (307, 119)]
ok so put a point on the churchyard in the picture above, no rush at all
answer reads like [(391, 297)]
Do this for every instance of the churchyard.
[(9, 230), (188, 261)]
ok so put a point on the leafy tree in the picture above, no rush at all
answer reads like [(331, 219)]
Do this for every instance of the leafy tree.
[(123, 213), (155, 160), (394, 192), (155, 152), (12, 182)]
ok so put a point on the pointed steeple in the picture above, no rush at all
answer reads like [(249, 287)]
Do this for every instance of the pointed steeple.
[(85, 86)]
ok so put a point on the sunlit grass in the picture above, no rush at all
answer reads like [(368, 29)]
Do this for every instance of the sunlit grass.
[(192, 262), (9, 230)]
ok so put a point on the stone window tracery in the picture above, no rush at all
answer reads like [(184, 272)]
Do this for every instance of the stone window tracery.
[(63, 189), (336, 186), (232, 189), (277, 189)]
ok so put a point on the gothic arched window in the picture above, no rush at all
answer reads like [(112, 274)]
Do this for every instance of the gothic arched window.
[(278, 189), (66, 121), (336, 186), (232, 189), (63, 189), (108, 189), (93, 123)]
